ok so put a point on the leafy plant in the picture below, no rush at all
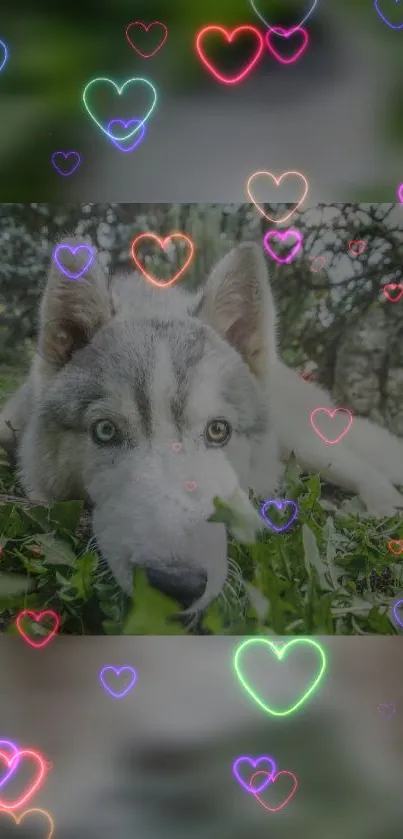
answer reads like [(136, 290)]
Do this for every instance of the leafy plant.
[(325, 575)]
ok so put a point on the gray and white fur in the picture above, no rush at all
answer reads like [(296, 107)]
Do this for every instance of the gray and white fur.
[(150, 369)]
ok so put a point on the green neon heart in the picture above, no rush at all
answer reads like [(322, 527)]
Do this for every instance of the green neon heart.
[(120, 91), (280, 654)]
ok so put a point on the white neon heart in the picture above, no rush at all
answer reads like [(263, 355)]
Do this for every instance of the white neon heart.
[(308, 15), (120, 91)]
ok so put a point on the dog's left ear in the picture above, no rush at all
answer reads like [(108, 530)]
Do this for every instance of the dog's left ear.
[(238, 304)]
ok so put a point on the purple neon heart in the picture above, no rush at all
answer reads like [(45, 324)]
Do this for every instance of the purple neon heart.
[(399, 603), (254, 763), (73, 251), (377, 9), (118, 671), (383, 709), (280, 506), (277, 233), (400, 193), (65, 155), (5, 57), (11, 769), (127, 124)]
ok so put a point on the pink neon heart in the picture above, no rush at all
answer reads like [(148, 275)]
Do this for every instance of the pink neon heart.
[(282, 236), (314, 258), (360, 249), (147, 29), (274, 779), (287, 33), (400, 193), (190, 485), (176, 447), (393, 287), (331, 414)]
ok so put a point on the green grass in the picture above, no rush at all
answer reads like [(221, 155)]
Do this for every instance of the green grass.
[(322, 576)]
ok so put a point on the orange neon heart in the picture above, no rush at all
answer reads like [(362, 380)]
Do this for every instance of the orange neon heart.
[(398, 542), (163, 244), (277, 181), (20, 818)]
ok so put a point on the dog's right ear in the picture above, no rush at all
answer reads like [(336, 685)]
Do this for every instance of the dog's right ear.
[(72, 310)]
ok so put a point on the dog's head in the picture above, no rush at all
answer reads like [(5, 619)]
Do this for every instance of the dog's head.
[(150, 403)]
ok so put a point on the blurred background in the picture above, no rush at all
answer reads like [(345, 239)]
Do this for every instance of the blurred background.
[(334, 320), (158, 763), (336, 114)]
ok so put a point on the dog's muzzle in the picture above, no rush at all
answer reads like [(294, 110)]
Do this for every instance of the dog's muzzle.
[(183, 583)]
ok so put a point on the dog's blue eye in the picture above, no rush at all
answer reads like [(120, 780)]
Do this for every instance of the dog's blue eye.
[(217, 432), (104, 431)]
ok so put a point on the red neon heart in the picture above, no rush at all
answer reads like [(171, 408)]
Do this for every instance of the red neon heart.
[(398, 542), (35, 783), (393, 287), (162, 243), (147, 28), (287, 33), (230, 36), (331, 414), (360, 249), (37, 617), (19, 819), (270, 787)]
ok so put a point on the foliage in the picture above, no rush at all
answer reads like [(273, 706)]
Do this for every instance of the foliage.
[(326, 575)]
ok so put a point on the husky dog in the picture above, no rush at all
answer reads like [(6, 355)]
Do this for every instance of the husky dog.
[(149, 403)]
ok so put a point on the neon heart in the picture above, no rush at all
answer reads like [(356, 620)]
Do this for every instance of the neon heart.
[(118, 672), (387, 710), (126, 125), (65, 155), (308, 15), (282, 236), (163, 244), (395, 608), (313, 259), (35, 783), (37, 616), (400, 193), (229, 35), (331, 414), (391, 287), (73, 251), (280, 653), (398, 542), (385, 20), (5, 56), (280, 807), (280, 506), (277, 181), (119, 91), (190, 485), (254, 763), (360, 249), (19, 819), (287, 33), (13, 748), (147, 29), (176, 447)]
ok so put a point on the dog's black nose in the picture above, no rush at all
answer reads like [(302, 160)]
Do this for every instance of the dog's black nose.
[(182, 583)]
